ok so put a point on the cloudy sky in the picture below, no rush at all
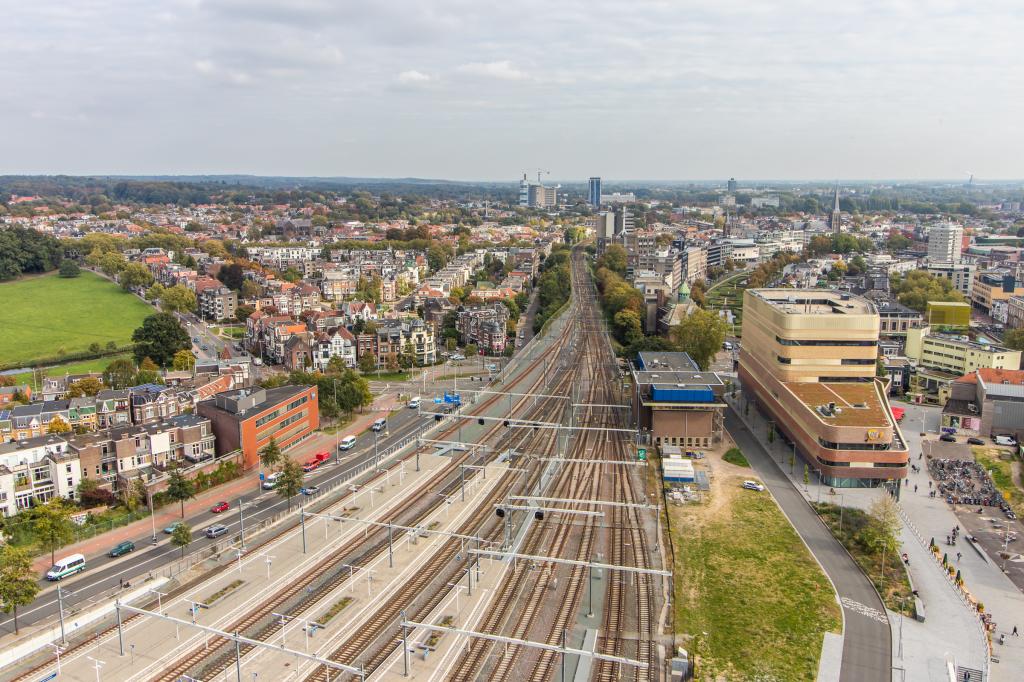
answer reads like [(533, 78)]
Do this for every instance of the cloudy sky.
[(478, 89)]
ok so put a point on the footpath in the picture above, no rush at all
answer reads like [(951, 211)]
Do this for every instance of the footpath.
[(249, 481)]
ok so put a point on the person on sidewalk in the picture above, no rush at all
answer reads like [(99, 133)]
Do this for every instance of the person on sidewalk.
[(958, 555), (1014, 633)]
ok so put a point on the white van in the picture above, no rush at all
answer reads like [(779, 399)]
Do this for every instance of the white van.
[(347, 443), (1006, 441), (270, 481), (414, 403), (67, 566)]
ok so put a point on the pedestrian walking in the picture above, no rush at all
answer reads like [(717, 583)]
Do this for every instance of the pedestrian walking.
[(958, 555), (1015, 631), (915, 487)]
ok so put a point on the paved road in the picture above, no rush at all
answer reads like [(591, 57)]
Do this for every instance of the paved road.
[(867, 644), (104, 572)]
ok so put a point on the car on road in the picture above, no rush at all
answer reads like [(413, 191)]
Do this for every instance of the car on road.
[(195, 339), (216, 530), (458, 356), (310, 490), (311, 465), (66, 567), (380, 424), (322, 456), (271, 480), (975, 441), (122, 548), (947, 438), (205, 348), (753, 485), (220, 507), (492, 367), (347, 443), (414, 403), (169, 530)]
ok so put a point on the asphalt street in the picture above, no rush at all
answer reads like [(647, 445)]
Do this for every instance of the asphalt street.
[(104, 572), (867, 641)]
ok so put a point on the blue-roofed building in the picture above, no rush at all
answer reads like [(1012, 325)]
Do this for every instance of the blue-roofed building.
[(675, 402)]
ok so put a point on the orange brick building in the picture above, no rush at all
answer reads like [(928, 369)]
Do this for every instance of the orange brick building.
[(247, 419)]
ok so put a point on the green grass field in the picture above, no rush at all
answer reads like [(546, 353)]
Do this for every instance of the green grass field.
[(744, 577), (82, 367), (40, 316)]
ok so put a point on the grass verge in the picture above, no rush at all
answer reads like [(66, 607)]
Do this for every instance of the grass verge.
[(744, 577), (890, 578), (999, 464), (735, 456)]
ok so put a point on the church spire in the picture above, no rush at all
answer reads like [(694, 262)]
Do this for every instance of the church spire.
[(835, 222)]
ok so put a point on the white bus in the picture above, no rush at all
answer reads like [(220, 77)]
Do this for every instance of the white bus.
[(65, 567)]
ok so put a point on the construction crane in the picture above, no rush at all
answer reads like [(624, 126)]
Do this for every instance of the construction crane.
[(539, 172)]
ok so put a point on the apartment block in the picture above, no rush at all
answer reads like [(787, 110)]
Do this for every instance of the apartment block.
[(990, 286), (942, 358), (35, 470), (808, 362)]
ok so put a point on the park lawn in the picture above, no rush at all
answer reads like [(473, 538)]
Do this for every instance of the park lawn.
[(82, 367), (999, 463), (43, 315), (744, 577)]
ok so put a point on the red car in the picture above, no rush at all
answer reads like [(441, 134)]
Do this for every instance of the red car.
[(311, 465), (322, 456), (220, 507)]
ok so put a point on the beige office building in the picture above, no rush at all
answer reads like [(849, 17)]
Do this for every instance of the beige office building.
[(808, 361)]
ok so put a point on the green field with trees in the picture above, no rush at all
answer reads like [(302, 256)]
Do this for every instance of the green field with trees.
[(48, 318)]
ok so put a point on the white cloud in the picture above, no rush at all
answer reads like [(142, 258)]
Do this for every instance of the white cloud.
[(500, 70), (414, 77)]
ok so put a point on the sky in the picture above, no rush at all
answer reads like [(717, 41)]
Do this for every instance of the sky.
[(484, 90)]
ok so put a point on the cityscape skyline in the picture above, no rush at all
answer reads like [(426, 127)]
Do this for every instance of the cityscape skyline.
[(672, 93)]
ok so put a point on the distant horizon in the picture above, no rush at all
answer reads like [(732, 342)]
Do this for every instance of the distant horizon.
[(743, 183)]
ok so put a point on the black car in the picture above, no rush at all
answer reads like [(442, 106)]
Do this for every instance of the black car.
[(975, 441), (947, 438)]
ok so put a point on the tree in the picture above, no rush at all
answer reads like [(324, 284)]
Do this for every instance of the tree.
[(880, 534), (87, 386), (155, 292), (148, 373), (701, 335), (249, 289), (111, 263), (178, 299), (159, 338), (918, 287), (628, 327), (52, 525), (614, 258), (243, 312), (182, 536), (232, 276), (183, 360), (135, 276), (1014, 339), (290, 482), (270, 456), (471, 350), (367, 362), (58, 425), (69, 268), (119, 374), (180, 488), (18, 586), (336, 365)]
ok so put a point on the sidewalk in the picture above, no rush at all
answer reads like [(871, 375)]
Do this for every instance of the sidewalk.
[(101, 544), (950, 627)]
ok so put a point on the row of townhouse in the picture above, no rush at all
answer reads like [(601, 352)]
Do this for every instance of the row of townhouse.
[(34, 470), (457, 273)]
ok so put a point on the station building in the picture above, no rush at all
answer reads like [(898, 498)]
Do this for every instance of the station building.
[(676, 402), (808, 362)]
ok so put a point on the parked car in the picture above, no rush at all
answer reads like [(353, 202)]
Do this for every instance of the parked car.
[(1007, 441), (947, 438), (122, 548), (347, 443), (216, 530), (220, 507), (270, 481), (310, 490), (753, 485), (311, 465), (458, 356), (975, 441), (170, 529)]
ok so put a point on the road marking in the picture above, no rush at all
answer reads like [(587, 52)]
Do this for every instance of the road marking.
[(864, 610)]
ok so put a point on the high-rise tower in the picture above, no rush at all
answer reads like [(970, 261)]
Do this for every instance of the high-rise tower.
[(594, 192)]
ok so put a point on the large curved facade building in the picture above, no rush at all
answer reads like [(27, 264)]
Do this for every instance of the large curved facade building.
[(808, 360)]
